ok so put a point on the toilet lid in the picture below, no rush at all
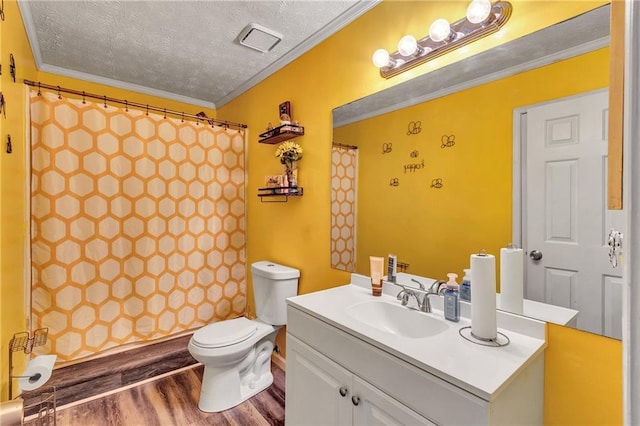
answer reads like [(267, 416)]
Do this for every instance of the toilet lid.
[(224, 333)]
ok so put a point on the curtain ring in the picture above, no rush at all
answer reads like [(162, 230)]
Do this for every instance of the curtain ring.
[(165, 113), (59, 95), (83, 100), (126, 105), (182, 121), (105, 100), (147, 109), (39, 92)]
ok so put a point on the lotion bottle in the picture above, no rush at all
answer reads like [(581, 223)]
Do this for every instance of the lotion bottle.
[(465, 287), (452, 299)]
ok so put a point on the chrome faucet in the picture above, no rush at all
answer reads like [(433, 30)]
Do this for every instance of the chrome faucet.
[(420, 294)]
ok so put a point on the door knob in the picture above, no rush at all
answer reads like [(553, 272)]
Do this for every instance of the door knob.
[(355, 400), (343, 391), (535, 255)]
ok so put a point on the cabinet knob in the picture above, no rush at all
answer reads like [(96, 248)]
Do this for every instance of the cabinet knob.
[(343, 391), (355, 400)]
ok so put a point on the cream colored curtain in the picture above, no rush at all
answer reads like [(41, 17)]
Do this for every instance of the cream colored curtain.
[(137, 225), (343, 208)]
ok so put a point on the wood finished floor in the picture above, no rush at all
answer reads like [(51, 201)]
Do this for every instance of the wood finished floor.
[(173, 400)]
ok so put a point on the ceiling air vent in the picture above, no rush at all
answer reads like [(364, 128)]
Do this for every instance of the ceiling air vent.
[(259, 38)]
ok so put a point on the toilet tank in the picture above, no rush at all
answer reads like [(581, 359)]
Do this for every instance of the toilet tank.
[(272, 285)]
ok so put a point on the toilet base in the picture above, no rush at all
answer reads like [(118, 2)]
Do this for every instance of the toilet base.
[(224, 388)]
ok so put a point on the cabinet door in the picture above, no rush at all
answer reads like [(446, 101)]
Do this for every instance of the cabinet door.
[(377, 408), (318, 389)]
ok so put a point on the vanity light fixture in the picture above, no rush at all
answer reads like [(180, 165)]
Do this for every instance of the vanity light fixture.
[(482, 19)]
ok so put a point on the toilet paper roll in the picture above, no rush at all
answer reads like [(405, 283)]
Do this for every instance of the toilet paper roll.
[(12, 412), (511, 279), (37, 373), (483, 296)]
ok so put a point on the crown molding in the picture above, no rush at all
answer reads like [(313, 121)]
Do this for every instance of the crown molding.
[(126, 86)]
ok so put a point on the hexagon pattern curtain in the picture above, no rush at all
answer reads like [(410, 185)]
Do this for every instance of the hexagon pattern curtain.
[(137, 225), (343, 208)]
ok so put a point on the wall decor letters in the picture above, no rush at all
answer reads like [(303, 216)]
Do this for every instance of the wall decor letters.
[(412, 167)]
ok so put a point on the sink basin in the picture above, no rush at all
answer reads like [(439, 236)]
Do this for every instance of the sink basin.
[(396, 319)]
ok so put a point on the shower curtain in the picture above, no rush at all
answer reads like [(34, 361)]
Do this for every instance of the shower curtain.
[(137, 225), (343, 207)]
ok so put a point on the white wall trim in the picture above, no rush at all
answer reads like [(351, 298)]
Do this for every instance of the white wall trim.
[(631, 199), (30, 27), (351, 14), (126, 86)]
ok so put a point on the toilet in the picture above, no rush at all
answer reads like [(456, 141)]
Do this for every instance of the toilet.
[(236, 353)]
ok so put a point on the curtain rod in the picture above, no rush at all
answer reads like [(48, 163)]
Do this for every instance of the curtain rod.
[(201, 116), (342, 145)]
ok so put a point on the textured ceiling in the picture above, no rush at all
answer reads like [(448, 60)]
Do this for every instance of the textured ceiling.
[(185, 50)]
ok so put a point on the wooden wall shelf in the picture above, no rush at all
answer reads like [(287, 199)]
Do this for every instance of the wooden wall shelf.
[(281, 134)]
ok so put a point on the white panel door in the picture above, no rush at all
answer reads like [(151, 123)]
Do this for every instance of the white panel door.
[(372, 407), (319, 391), (566, 217)]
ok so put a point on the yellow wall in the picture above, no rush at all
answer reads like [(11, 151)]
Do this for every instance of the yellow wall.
[(297, 233), (582, 378), (13, 225), (339, 71), (436, 230)]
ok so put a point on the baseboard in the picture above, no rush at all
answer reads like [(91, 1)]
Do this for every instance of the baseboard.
[(279, 360)]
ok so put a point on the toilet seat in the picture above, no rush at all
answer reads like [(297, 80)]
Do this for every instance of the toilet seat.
[(224, 333)]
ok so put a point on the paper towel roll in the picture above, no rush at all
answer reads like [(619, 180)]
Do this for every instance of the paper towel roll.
[(511, 279), (12, 412), (37, 373), (483, 296)]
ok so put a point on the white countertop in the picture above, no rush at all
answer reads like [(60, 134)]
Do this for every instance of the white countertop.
[(546, 312), (483, 371)]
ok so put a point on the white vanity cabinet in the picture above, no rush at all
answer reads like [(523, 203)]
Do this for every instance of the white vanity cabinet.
[(321, 392), (340, 372)]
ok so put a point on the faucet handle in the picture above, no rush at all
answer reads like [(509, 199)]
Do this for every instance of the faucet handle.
[(404, 297)]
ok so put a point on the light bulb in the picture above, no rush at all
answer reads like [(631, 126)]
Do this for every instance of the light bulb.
[(478, 11), (439, 30), (381, 58), (408, 45)]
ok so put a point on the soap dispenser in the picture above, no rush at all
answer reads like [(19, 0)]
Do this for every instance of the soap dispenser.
[(465, 287), (452, 299)]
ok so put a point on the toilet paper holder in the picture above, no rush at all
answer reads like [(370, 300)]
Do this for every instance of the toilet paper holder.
[(24, 341)]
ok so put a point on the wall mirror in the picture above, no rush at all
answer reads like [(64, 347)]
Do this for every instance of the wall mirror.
[(429, 170)]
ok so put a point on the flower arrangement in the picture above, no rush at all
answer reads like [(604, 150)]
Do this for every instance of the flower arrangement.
[(289, 152)]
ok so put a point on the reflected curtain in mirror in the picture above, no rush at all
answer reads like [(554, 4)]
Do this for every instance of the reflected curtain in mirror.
[(344, 160), (137, 225)]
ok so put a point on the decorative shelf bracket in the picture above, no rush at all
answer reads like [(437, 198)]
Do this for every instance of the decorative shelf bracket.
[(279, 194)]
